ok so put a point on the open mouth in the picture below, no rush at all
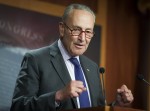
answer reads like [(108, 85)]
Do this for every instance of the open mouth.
[(79, 46)]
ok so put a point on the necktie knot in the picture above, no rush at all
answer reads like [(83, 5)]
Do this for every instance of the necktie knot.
[(74, 61)]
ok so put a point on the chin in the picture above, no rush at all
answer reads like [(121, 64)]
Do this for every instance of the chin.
[(77, 52)]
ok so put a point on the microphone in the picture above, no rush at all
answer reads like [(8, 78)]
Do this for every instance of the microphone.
[(141, 77), (102, 71)]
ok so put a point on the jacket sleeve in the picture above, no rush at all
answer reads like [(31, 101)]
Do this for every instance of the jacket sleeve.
[(26, 97)]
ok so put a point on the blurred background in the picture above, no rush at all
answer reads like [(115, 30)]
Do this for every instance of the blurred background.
[(121, 44)]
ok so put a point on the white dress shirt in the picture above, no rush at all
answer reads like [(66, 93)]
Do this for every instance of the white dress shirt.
[(70, 67)]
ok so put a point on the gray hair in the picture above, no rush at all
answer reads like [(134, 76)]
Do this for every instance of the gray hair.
[(76, 6)]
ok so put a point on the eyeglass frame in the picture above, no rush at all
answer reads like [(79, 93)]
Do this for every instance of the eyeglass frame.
[(81, 31)]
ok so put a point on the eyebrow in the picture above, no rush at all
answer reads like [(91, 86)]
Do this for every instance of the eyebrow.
[(81, 28)]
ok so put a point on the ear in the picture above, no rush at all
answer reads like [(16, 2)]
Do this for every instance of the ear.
[(61, 29)]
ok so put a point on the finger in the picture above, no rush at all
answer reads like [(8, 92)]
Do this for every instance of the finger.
[(130, 97), (74, 94), (79, 90), (121, 89), (127, 93), (79, 84), (124, 89), (76, 88), (127, 97)]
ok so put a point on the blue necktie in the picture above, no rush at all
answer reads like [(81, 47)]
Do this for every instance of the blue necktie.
[(83, 97)]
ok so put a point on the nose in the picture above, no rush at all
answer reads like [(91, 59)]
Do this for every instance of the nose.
[(82, 36)]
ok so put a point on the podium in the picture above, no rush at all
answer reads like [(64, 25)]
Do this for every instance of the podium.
[(106, 108)]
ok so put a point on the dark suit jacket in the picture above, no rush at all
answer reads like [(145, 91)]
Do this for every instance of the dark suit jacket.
[(43, 72)]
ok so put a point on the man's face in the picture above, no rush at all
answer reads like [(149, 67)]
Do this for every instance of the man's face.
[(78, 20)]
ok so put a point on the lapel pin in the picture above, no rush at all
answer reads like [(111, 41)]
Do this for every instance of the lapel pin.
[(87, 69)]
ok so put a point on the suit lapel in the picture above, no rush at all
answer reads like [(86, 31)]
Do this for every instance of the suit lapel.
[(61, 69), (60, 66)]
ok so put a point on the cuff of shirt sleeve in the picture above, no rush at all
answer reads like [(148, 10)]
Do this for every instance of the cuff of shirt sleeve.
[(57, 104), (113, 103)]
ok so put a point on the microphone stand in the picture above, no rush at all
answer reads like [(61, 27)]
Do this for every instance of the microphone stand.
[(102, 70)]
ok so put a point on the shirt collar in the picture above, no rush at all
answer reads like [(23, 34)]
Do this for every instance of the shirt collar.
[(64, 52)]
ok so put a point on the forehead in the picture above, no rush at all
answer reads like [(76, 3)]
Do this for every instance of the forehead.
[(81, 18)]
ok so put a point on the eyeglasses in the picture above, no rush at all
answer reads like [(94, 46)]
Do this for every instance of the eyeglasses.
[(78, 31)]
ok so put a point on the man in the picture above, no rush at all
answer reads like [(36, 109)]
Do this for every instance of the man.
[(48, 80)]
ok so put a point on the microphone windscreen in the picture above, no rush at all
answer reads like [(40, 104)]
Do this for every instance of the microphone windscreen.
[(101, 70), (140, 76)]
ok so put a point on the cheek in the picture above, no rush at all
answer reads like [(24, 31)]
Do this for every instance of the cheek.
[(68, 42), (87, 43)]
